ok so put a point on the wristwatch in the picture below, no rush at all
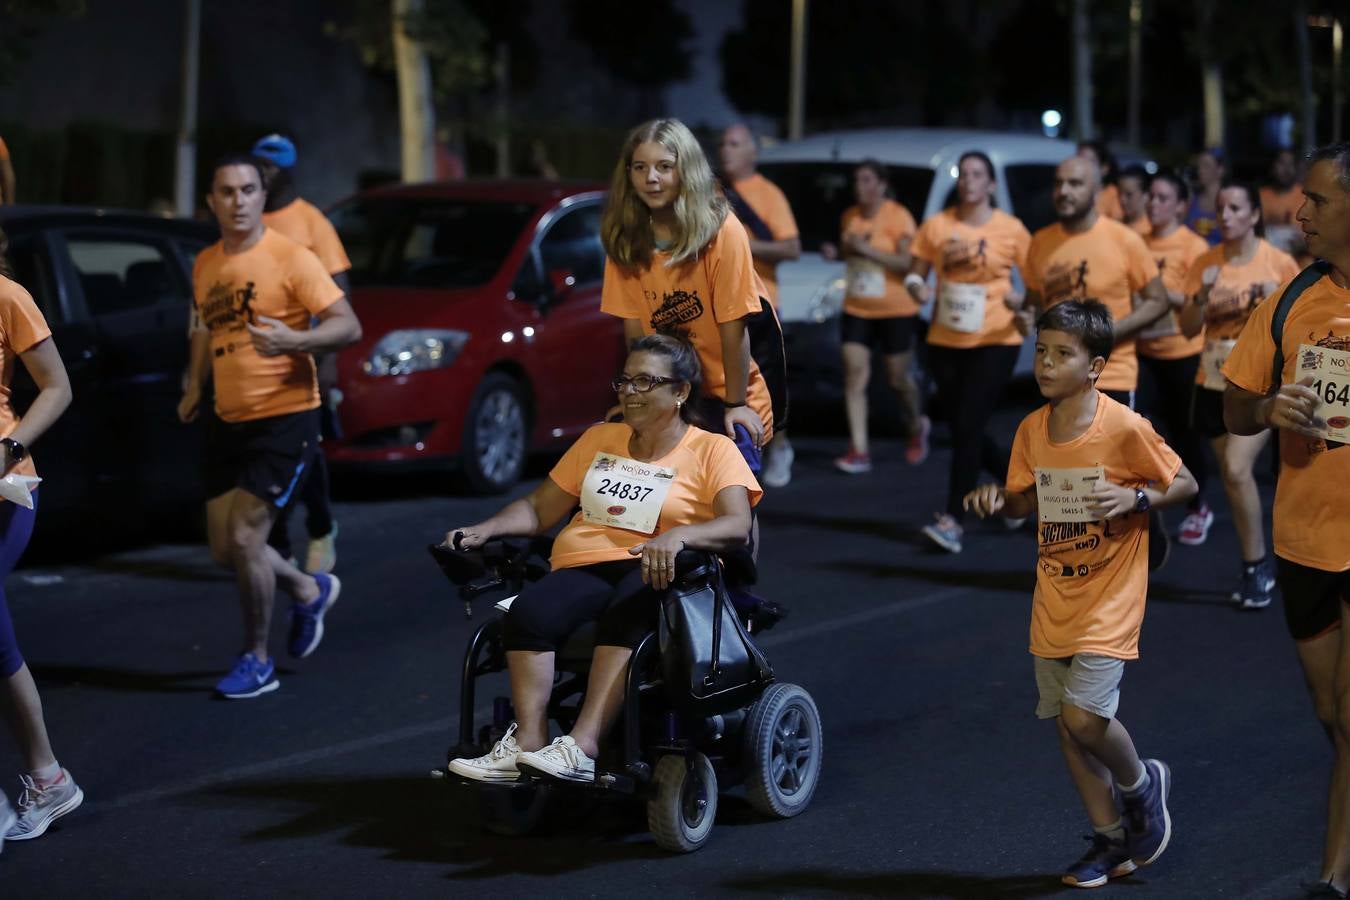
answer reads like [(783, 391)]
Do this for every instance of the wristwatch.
[(729, 405), (13, 449), (1140, 500)]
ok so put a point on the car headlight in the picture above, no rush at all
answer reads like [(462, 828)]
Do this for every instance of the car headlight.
[(414, 350), (828, 301)]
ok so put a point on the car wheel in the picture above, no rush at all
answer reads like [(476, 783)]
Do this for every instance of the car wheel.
[(495, 435)]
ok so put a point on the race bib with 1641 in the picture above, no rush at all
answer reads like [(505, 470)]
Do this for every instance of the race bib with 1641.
[(1213, 357), (1330, 371), (866, 278), (1062, 495), (961, 306), (624, 493)]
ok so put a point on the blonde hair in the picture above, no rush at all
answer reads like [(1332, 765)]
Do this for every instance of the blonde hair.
[(626, 228)]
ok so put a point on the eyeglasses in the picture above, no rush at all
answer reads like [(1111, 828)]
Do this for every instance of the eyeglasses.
[(640, 383)]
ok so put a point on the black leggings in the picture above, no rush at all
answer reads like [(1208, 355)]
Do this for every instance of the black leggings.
[(548, 611), (970, 385), (1169, 406)]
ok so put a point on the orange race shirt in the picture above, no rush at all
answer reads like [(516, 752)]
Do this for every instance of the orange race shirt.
[(1141, 226), (1108, 203), (1174, 254), (719, 286), (704, 464), (1092, 577), (1280, 208), (982, 256), (1108, 263), (302, 222), (771, 205), (22, 328), (1238, 289), (873, 291), (276, 277), (4, 151), (1311, 526)]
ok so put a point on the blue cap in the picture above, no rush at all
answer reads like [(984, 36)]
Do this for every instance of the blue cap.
[(277, 148)]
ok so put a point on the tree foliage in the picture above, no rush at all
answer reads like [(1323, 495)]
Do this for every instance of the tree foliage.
[(21, 21)]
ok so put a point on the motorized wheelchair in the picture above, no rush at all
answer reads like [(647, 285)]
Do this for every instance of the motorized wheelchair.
[(677, 763)]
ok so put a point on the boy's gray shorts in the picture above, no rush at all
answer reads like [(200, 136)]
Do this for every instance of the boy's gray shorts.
[(1085, 680)]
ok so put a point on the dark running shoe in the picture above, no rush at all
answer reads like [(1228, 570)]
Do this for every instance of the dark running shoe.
[(1148, 824), (307, 618), (1104, 860)]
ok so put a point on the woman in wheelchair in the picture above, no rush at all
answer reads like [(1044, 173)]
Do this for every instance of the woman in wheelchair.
[(647, 488)]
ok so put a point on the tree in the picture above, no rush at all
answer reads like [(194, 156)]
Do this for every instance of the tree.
[(21, 21), (645, 45)]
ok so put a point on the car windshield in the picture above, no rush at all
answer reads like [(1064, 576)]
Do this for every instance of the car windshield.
[(417, 242), (820, 192)]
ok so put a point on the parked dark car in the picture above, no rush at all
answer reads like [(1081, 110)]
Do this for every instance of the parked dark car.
[(116, 289), (483, 336)]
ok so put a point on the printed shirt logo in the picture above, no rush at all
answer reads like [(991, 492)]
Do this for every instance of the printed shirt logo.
[(961, 254), (228, 308), (1064, 281), (677, 308), (1227, 305)]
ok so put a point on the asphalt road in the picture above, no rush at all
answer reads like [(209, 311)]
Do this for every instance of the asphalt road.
[(938, 781)]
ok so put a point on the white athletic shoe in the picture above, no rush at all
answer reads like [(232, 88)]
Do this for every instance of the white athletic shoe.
[(39, 807), (321, 554), (7, 818), (778, 467), (562, 759), (498, 764)]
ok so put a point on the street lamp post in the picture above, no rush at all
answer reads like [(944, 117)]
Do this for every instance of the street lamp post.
[(797, 75)]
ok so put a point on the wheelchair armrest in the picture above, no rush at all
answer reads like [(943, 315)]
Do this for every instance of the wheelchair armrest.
[(501, 562)]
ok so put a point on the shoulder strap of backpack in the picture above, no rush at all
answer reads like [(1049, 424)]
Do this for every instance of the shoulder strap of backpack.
[(1304, 280)]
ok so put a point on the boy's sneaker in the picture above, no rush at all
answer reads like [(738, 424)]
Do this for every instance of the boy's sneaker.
[(945, 532), (916, 450), (854, 463), (1104, 860), (778, 467), (1148, 824), (321, 555), (1195, 527), (7, 819), (248, 678), (562, 759), (1256, 589), (39, 807), (498, 764), (307, 618)]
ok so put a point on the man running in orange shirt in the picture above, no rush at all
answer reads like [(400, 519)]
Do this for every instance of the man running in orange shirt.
[(1306, 399), (767, 217), (255, 292), (302, 222)]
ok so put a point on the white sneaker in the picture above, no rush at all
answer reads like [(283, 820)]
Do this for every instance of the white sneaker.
[(778, 467), (562, 759), (39, 807), (499, 764), (7, 818)]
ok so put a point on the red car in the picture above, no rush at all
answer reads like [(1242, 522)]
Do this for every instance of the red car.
[(483, 336)]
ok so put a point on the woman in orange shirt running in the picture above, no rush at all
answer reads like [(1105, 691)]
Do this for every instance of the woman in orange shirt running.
[(648, 487), (879, 314), (1223, 287), (678, 260)]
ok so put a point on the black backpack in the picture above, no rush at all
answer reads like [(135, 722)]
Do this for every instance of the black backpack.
[(1302, 281)]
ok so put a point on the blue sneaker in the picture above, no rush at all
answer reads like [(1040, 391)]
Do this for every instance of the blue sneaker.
[(307, 618), (1104, 860), (248, 678), (1148, 824)]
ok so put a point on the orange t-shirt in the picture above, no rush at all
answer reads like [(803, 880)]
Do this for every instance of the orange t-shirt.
[(1109, 263), (4, 151), (1108, 203), (278, 278), (1092, 577), (1141, 226), (982, 255), (874, 292), (1238, 289), (304, 223), (719, 286), (1175, 254), (771, 205), (22, 328), (1311, 527), (704, 464), (1280, 208)]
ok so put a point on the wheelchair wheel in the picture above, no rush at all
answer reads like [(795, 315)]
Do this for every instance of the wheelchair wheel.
[(680, 815), (512, 811), (782, 751)]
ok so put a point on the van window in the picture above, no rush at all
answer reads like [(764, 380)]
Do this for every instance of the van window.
[(820, 192), (1029, 186)]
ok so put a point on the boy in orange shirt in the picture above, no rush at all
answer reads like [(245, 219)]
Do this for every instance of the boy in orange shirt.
[(1090, 469)]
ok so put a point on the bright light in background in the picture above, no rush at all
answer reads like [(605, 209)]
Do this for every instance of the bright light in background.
[(1050, 122), (507, 337)]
